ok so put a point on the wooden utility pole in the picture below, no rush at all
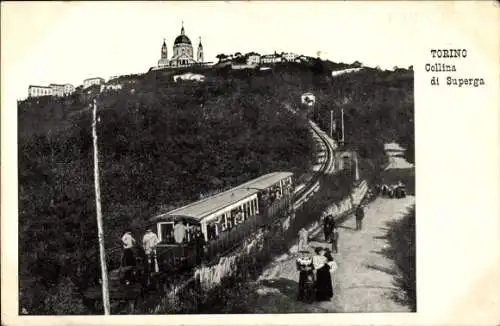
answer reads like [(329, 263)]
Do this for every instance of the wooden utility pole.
[(331, 124), (356, 167), (342, 110), (100, 233)]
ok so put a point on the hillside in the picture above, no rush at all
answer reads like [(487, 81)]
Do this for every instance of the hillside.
[(163, 144)]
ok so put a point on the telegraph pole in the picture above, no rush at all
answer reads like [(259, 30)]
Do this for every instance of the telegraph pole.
[(356, 167), (331, 124), (342, 110), (100, 233)]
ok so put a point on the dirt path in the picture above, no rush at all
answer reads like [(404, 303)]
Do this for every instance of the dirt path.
[(364, 279)]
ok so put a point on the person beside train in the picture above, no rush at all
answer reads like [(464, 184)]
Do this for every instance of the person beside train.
[(179, 231), (128, 243), (149, 243), (199, 240)]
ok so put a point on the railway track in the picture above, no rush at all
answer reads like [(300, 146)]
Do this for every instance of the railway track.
[(311, 186), (305, 191)]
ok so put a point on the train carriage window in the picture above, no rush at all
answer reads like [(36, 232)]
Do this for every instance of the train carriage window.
[(233, 217), (219, 224), (211, 231), (167, 232)]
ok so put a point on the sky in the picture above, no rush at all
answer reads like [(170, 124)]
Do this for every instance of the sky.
[(66, 42)]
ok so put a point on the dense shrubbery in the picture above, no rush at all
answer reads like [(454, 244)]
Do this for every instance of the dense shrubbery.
[(378, 108), (401, 238)]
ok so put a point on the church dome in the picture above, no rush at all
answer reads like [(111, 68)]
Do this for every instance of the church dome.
[(182, 39)]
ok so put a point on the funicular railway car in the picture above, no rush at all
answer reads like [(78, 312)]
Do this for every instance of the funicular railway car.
[(224, 219)]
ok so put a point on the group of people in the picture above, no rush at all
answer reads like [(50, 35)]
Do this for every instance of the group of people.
[(190, 235), (149, 243), (315, 275), (236, 217), (315, 271), (270, 196)]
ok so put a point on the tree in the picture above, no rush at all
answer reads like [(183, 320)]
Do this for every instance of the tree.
[(221, 56), (357, 64)]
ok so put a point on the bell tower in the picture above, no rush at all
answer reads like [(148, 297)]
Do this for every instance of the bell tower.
[(199, 56), (164, 55), (164, 50)]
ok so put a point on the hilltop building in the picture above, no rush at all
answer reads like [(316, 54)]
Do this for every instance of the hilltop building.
[(68, 89), (57, 89), (51, 90), (183, 54), (290, 57), (93, 81), (271, 58), (36, 91), (253, 58)]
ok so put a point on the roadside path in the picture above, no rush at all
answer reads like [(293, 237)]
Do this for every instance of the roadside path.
[(364, 279)]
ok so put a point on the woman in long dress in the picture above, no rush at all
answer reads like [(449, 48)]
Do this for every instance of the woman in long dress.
[(306, 277), (332, 263), (324, 289)]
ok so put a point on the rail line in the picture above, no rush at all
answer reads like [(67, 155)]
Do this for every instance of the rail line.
[(302, 194)]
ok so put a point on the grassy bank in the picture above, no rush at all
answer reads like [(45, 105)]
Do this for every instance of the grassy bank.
[(401, 238)]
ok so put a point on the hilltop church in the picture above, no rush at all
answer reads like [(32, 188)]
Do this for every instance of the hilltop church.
[(183, 53)]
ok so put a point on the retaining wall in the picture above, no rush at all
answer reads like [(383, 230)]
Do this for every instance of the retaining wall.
[(345, 206)]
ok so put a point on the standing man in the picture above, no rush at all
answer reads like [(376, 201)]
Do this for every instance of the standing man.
[(200, 245), (327, 227), (303, 237), (128, 242), (149, 243), (179, 232), (335, 238), (360, 214)]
